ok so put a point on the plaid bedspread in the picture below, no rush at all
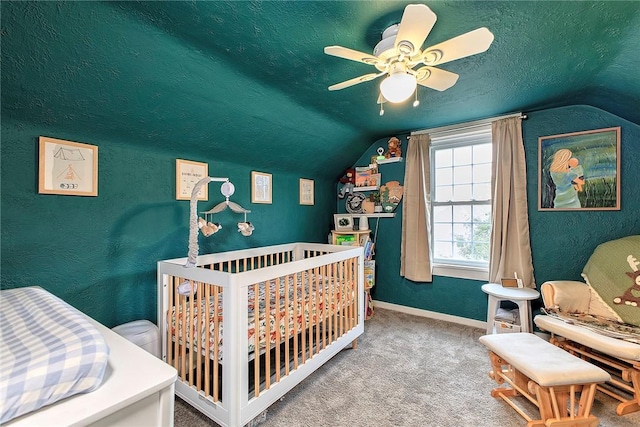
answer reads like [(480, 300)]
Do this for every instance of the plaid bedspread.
[(48, 351)]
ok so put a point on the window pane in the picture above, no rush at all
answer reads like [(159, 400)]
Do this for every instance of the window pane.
[(482, 213), (462, 213), (482, 191), (462, 155), (442, 232), (444, 176), (482, 172), (444, 193), (462, 192), (482, 153), (444, 158), (462, 175), (462, 232), (443, 250), (442, 214)]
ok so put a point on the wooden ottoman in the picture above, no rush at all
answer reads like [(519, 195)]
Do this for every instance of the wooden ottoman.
[(547, 376)]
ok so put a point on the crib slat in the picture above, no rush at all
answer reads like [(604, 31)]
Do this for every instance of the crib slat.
[(207, 338), (278, 318), (256, 339), (287, 320), (197, 339), (177, 329), (296, 328), (267, 317), (171, 311), (191, 341), (216, 339), (183, 347), (317, 309), (303, 304)]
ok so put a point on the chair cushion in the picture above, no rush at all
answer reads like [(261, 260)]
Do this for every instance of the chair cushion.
[(543, 362), (595, 340)]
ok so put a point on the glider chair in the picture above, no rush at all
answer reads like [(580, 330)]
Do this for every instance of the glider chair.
[(599, 320)]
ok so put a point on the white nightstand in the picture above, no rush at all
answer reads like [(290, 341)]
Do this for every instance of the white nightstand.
[(520, 296)]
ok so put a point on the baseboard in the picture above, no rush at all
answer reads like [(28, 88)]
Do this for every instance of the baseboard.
[(430, 314)]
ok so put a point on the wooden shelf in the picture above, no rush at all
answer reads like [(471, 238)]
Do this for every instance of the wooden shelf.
[(378, 215), (370, 188), (389, 160)]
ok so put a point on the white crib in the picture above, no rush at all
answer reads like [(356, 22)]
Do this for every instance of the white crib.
[(257, 322)]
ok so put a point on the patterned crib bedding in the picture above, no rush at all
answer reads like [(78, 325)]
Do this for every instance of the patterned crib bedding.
[(299, 311), (48, 351)]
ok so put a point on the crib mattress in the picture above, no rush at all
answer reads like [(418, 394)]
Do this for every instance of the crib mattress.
[(314, 302), (48, 351)]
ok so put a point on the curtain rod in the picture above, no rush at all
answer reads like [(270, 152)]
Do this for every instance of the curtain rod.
[(462, 126)]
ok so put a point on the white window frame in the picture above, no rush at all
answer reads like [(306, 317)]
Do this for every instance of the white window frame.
[(478, 134)]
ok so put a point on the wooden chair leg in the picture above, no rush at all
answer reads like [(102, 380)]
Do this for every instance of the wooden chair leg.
[(632, 405)]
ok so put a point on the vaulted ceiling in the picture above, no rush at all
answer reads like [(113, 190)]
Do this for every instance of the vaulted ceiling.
[(247, 81)]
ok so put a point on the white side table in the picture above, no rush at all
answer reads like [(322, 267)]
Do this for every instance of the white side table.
[(520, 296)]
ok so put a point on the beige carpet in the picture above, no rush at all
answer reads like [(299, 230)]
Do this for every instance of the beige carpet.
[(406, 371)]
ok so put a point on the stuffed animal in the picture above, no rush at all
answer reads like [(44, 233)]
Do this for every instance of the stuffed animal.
[(208, 228), (349, 181), (394, 148), (246, 228)]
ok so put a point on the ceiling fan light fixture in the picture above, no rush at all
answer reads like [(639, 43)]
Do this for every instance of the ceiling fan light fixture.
[(398, 86)]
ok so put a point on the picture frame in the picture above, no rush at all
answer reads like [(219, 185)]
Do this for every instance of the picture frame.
[(188, 173), (306, 192), (343, 222), (579, 171), (261, 187), (67, 168)]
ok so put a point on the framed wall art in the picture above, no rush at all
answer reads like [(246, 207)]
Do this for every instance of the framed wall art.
[(579, 171), (68, 168), (188, 173), (306, 192), (261, 187), (343, 222)]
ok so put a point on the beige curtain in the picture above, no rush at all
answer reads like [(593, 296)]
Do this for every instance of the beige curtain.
[(415, 256), (510, 246)]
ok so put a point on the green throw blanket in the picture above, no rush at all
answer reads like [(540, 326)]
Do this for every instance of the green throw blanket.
[(613, 272)]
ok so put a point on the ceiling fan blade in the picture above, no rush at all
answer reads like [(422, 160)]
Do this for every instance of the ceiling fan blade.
[(467, 44), (353, 55), (355, 81), (416, 24), (435, 78)]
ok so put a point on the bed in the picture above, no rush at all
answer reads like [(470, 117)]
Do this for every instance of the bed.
[(59, 367), (256, 322)]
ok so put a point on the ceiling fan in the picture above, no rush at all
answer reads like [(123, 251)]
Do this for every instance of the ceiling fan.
[(399, 52)]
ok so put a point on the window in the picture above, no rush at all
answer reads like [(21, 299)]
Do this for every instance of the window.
[(461, 202)]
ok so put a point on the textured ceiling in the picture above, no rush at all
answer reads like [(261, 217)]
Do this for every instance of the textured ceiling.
[(247, 81)]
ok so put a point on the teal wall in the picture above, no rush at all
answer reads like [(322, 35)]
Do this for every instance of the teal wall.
[(100, 253), (561, 241)]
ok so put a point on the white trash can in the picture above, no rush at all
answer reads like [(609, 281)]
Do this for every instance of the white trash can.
[(142, 333)]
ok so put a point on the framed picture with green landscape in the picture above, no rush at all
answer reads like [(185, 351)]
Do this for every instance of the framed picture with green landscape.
[(579, 171)]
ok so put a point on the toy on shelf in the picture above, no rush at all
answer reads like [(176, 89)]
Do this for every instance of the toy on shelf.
[(391, 194), (349, 180), (394, 148)]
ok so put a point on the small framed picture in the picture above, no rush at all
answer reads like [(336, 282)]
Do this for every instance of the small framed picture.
[(67, 168), (188, 174), (343, 222), (306, 191), (261, 187)]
